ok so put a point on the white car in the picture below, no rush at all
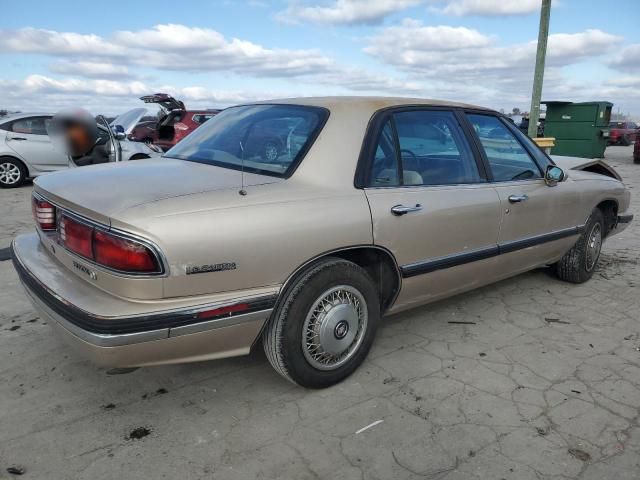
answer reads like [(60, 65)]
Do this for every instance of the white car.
[(26, 150)]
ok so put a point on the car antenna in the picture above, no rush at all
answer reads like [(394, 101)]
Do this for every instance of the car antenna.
[(242, 191)]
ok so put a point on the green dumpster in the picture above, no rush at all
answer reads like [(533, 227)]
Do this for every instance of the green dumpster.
[(580, 129)]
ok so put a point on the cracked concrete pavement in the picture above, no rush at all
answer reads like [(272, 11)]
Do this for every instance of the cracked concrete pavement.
[(545, 384)]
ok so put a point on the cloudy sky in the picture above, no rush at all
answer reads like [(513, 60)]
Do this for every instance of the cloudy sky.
[(104, 55)]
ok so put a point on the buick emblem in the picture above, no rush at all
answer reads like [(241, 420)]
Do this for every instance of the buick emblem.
[(341, 330)]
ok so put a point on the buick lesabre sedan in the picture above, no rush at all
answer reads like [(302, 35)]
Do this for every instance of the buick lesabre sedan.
[(371, 206)]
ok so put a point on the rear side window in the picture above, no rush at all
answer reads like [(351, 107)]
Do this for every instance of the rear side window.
[(31, 125), (423, 147), (506, 156)]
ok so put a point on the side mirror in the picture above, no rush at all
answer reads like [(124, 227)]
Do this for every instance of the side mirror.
[(118, 132), (553, 175)]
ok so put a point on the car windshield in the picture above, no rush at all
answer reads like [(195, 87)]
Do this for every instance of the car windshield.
[(263, 139)]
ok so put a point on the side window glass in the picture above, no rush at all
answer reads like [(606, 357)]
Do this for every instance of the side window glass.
[(33, 126), (507, 158), (384, 172), (201, 118), (537, 152), (433, 149)]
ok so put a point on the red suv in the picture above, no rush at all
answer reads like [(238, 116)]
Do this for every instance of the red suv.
[(175, 122), (622, 133), (144, 132)]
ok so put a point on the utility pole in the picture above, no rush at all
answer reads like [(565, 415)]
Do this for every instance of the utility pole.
[(538, 76)]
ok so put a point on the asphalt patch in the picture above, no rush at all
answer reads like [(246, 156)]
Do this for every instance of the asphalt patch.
[(16, 470), (160, 391), (579, 454), (557, 320), (121, 371), (138, 433)]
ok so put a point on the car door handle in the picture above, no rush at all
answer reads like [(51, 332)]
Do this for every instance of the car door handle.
[(518, 198), (16, 138), (400, 210)]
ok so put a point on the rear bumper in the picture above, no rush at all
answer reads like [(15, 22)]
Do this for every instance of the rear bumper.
[(190, 333)]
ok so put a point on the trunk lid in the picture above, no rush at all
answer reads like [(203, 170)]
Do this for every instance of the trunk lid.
[(100, 192), (166, 101)]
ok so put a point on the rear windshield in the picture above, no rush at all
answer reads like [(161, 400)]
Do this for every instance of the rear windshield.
[(263, 139)]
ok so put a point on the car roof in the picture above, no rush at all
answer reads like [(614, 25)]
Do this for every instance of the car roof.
[(204, 112), (17, 116), (368, 102)]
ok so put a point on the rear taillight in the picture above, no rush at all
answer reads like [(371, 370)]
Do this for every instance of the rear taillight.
[(44, 214), (76, 236), (122, 254), (106, 249)]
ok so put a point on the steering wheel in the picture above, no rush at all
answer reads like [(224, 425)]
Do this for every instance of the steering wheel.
[(413, 155)]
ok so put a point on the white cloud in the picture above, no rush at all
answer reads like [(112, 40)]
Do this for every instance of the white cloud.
[(38, 92), (628, 59), (345, 12), (438, 51), (487, 7), (480, 70), (408, 42), (90, 69), (351, 12), (50, 42), (169, 47), (180, 48), (573, 47)]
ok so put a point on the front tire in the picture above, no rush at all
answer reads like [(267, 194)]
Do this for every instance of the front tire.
[(579, 263), (13, 173), (324, 325)]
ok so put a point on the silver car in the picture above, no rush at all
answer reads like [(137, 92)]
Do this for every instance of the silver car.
[(373, 206), (26, 151), (25, 148)]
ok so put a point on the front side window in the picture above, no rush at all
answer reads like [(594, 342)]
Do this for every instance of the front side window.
[(433, 150), (263, 139), (506, 156), (31, 125)]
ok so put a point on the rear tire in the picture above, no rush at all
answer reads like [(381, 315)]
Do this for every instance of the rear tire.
[(324, 324), (579, 263), (13, 173)]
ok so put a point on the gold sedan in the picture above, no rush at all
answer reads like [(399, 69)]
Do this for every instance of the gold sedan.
[(301, 223)]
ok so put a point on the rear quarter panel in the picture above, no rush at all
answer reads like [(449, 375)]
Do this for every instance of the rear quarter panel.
[(267, 234)]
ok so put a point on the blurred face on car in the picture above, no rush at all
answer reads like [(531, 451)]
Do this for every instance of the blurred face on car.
[(78, 139)]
